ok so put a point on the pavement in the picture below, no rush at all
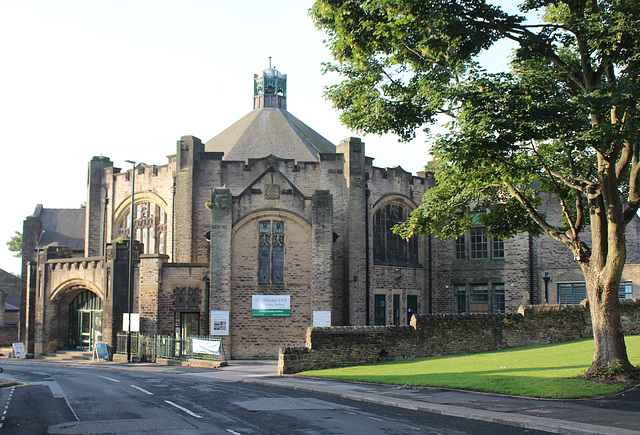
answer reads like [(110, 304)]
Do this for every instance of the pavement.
[(619, 414)]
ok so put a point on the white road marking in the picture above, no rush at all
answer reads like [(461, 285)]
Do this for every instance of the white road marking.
[(72, 411), (143, 390), (108, 379), (191, 413), (233, 432)]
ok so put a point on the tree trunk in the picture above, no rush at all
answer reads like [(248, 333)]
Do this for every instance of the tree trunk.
[(610, 359)]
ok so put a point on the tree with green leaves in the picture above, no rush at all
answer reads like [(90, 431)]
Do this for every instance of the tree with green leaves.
[(15, 244), (549, 147)]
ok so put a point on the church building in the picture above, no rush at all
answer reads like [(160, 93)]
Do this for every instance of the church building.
[(259, 233)]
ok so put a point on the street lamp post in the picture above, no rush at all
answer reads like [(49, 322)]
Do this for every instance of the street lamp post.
[(130, 283)]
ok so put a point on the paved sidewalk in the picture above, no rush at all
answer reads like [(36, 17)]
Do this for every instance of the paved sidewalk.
[(618, 414)]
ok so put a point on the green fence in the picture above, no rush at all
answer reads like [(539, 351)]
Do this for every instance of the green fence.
[(150, 347)]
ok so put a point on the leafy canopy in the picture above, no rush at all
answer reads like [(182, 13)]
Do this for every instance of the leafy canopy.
[(15, 244), (563, 120)]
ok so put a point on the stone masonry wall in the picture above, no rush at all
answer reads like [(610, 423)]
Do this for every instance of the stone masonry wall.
[(8, 335), (434, 335)]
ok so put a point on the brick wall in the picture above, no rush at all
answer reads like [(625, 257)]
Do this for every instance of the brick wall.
[(434, 335)]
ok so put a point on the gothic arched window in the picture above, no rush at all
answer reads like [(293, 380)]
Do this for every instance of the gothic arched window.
[(150, 226), (271, 246), (387, 246)]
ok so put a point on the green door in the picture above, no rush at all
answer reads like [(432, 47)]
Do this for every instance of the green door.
[(85, 321)]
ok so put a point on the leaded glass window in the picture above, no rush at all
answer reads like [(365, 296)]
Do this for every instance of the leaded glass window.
[(271, 252), (387, 246), (150, 227)]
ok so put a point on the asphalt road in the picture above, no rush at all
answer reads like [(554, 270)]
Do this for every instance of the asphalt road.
[(86, 399)]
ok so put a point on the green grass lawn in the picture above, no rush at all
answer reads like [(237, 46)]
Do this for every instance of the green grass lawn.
[(539, 371)]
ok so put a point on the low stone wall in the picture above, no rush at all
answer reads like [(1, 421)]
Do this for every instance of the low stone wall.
[(434, 335)]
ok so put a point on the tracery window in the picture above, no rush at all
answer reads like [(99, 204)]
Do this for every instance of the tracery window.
[(150, 227), (271, 250), (389, 247)]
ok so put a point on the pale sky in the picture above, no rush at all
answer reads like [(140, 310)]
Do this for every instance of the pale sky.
[(127, 78)]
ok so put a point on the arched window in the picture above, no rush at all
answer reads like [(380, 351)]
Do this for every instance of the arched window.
[(150, 226), (387, 246), (271, 246)]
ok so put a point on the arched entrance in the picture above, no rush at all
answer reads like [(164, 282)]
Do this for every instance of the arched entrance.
[(85, 321)]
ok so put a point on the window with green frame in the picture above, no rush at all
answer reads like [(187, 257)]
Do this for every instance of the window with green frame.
[(625, 290), (499, 303), (459, 299), (412, 307), (478, 245), (379, 314), (479, 298), (571, 293)]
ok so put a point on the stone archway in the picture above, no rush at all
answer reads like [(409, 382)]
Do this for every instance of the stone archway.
[(78, 322), (85, 320)]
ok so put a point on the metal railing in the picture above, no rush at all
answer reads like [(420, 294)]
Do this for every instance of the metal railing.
[(151, 347)]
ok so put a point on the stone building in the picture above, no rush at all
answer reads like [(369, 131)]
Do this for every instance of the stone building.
[(256, 235), (10, 290)]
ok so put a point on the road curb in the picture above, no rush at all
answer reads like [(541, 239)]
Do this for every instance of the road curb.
[(4, 382)]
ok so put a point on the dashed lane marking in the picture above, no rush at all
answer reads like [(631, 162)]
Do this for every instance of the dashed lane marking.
[(182, 408), (108, 379), (142, 389), (6, 407)]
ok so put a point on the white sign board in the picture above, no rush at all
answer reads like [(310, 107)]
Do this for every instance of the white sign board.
[(18, 350), (205, 346), (321, 318), (135, 322), (271, 305), (219, 322)]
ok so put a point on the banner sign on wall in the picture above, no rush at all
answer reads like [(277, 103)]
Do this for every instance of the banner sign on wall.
[(205, 346), (271, 305), (321, 318), (219, 322)]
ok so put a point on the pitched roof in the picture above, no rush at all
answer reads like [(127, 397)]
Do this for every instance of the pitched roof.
[(269, 131), (9, 277), (64, 226)]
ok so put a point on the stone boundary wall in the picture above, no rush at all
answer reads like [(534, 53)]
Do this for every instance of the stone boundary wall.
[(451, 334)]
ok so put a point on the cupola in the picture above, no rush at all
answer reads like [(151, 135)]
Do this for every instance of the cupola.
[(270, 89)]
